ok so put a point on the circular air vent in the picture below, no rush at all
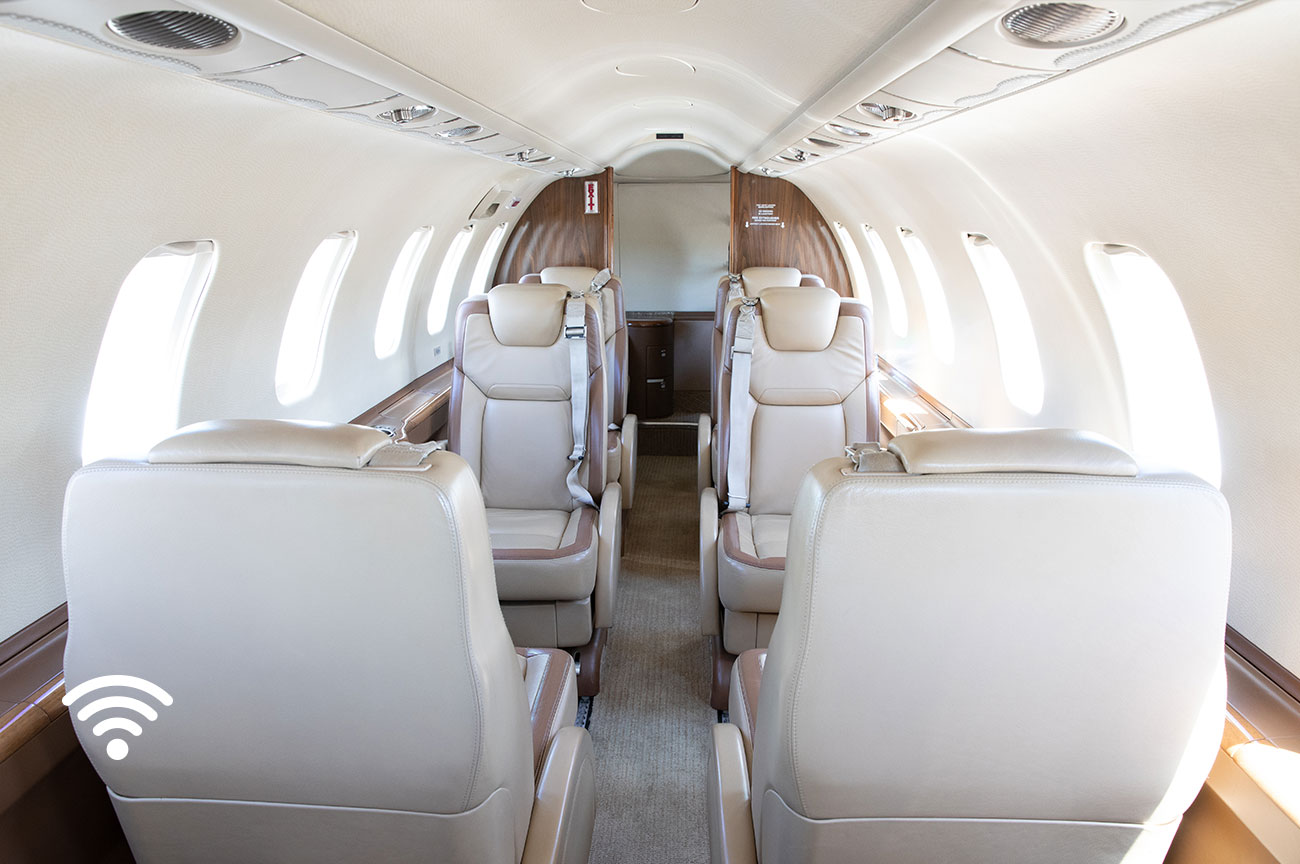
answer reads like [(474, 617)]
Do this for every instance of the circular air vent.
[(175, 29), (1061, 23), (887, 113)]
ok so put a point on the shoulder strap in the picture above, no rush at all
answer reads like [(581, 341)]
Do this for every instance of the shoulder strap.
[(735, 287), (742, 350), (575, 334)]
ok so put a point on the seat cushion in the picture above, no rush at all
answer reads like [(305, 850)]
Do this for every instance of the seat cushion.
[(544, 554), (751, 561)]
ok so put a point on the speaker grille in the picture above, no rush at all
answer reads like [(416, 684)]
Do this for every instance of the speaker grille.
[(175, 29), (1060, 23)]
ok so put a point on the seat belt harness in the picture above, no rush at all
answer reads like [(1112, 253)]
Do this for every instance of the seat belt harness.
[(742, 351), (575, 334)]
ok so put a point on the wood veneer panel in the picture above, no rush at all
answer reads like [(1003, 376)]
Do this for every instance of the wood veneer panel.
[(773, 224), (555, 230)]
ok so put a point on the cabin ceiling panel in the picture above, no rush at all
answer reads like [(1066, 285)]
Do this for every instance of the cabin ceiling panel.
[(553, 65)]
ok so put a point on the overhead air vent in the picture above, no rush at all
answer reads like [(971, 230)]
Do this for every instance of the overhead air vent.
[(821, 142), (848, 131), (407, 114), (888, 113), (459, 132), (174, 29), (1061, 23)]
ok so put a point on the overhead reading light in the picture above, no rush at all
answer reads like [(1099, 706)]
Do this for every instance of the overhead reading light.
[(887, 113), (1061, 23), (176, 29), (459, 132), (821, 142), (848, 131), (795, 155), (401, 116)]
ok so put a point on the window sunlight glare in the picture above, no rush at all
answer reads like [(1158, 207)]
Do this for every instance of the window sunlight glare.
[(446, 280), (1022, 369), (932, 296), (297, 370), (890, 286), (487, 259), (397, 294)]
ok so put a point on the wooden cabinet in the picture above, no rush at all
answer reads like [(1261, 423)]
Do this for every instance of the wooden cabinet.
[(650, 346)]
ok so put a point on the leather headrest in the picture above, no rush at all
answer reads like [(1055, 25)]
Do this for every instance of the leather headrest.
[(759, 278), (578, 279), (799, 319), (809, 280), (271, 442), (527, 315), (979, 451)]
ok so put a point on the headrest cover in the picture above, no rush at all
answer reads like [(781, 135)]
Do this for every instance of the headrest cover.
[(809, 280), (799, 319), (759, 278), (527, 315), (578, 279), (979, 451), (271, 442)]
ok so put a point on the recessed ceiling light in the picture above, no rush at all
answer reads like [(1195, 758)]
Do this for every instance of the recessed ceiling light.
[(1061, 23), (848, 131), (459, 131), (649, 67), (640, 7)]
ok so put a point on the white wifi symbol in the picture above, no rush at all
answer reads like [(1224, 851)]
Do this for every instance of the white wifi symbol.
[(117, 748)]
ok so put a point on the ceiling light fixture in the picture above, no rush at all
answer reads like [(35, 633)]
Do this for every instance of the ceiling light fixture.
[(1061, 23)]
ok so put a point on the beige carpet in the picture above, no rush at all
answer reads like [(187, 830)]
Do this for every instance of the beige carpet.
[(651, 721)]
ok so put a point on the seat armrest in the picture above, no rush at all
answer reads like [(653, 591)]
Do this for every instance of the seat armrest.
[(564, 804), (704, 454), (627, 473), (731, 820), (609, 528), (710, 604), (551, 685), (742, 704)]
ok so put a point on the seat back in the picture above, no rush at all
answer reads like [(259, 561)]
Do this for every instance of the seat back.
[(993, 646), (750, 282), (319, 607), (812, 391), (511, 400), (613, 325)]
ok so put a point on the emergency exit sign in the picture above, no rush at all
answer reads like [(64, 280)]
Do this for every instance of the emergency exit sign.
[(591, 202)]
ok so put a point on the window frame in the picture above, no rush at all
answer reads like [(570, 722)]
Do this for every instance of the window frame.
[(389, 324), (308, 318)]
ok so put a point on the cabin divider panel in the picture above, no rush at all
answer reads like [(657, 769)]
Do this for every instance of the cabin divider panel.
[(773, 224), (558, 231)]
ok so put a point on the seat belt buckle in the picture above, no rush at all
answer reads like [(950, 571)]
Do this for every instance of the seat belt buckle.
[(575, 331)]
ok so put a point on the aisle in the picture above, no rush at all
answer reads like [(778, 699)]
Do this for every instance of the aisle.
[(650, 724)]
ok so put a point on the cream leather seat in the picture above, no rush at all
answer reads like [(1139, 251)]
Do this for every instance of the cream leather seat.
[(621, 442), (749, 282), (555, 531), (317, 605), (994, 645), (811, 391)]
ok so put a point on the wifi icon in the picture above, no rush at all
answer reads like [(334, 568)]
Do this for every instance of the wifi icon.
[(117, 748)]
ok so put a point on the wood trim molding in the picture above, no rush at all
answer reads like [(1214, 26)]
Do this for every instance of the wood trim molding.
[(411, 412), (555, 230), (33, 633), (1267, 666), (892, 371), (31, 683)]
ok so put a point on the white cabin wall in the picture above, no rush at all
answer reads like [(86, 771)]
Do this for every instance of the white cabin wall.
[(1184, 148), (109, 159), (671, 241)]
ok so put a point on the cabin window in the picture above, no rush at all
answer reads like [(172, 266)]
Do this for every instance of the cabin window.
[(136, 386), (446, 279), (1022, 370), (932, 296), (1171, 416), (860, 285), (392, 309), (890, 287), (488, 258), (297, 370)]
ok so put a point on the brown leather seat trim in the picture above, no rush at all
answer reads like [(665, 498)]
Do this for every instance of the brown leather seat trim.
[(731, 547), (541, 714), (749, 669), (586, 525)]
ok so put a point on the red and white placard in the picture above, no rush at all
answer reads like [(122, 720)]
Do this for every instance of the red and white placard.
[(591, 197)]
